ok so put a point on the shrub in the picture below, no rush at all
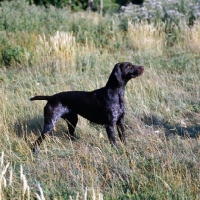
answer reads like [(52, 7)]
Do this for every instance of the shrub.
[(12, 54)]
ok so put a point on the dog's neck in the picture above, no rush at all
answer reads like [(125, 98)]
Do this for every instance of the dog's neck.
[(114, 84)]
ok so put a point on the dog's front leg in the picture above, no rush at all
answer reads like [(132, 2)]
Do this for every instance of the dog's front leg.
[(120, 129), (111, 134)]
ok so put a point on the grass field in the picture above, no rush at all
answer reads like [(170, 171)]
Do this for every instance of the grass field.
[(161, 159)]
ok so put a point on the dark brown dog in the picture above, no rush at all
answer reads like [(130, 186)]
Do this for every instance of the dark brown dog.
[(103, 106)]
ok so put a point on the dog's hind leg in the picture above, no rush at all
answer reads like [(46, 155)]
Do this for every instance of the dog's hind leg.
[(71, 118), (48, 128), (51, 116)]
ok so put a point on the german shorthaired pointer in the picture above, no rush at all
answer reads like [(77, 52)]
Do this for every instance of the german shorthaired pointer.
[(102, 106)]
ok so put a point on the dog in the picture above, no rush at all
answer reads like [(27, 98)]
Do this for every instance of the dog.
[(103, 106)]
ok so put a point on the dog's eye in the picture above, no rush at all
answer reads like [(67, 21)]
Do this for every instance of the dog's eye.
[(128, 67)]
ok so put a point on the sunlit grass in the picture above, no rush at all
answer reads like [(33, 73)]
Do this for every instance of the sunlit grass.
[(192, 37), (59, 46), (154, 159), (144, 36)]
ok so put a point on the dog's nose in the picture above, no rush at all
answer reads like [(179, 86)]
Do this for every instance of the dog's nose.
[(141, 69)]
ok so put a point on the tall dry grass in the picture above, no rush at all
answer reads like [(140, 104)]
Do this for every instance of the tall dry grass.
[(192, 38), (144, 36), (59, 46)]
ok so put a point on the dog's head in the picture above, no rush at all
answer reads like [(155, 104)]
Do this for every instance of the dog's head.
[(125, 71)]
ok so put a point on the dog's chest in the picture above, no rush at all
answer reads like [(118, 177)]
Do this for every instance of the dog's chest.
[(116, 105)]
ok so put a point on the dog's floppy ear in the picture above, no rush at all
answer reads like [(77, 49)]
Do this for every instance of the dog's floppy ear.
[(118, 73)]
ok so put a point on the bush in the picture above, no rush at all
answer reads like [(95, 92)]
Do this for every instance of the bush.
[(154, 11), (57, 3), (125, 2), (12, 54), (20, 16)]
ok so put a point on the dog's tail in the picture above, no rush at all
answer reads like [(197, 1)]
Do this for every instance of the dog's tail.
[(40, 98)]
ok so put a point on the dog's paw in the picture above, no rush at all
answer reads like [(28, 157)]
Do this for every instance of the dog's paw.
[(35, 150)]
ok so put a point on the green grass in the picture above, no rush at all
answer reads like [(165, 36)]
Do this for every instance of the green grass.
[(161, 158)]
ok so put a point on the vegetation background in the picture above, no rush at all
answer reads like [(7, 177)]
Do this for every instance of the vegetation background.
[(45, 50)]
